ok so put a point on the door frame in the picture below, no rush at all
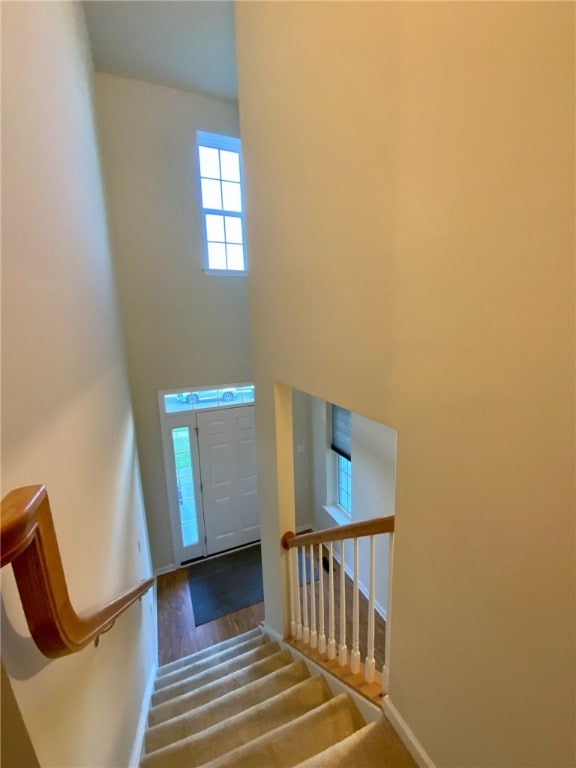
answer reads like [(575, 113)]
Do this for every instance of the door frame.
[(187, 418)]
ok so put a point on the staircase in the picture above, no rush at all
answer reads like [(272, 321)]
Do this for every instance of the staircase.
[(246, 702)]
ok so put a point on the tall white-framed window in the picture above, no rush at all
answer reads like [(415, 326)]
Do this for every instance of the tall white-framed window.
[(344, 483), (339, 464), (222, 199)]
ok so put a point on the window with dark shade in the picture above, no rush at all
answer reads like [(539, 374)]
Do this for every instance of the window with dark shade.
[(342, 432)]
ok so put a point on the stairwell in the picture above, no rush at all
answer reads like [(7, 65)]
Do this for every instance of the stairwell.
[(247, 702)]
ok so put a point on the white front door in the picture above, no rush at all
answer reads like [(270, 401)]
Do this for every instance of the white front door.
[(227, 449)]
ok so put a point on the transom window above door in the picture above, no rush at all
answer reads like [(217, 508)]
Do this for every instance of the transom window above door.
[(205, 398)]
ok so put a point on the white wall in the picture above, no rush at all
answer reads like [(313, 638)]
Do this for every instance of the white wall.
[(304, 459), (66, 414), (373, 495), (373, 488), (418, 160), (183, 328)]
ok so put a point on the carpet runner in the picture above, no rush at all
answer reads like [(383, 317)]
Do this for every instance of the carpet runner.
[(246, 702)]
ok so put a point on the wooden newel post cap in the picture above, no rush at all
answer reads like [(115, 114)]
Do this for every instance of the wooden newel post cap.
[(286, 537)]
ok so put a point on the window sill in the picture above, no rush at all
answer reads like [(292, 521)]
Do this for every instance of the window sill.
[(226, 272), (340, 516)]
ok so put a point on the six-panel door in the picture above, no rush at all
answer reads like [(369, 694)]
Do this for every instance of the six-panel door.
[(227, 450)]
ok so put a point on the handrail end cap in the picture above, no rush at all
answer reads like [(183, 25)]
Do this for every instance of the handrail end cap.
[(285, 539)]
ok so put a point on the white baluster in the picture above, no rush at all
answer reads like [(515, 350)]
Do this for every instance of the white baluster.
[(321, 634), (331, 639), (313, 633), (305, 624), (370, 666), (294, 554), (386, 667), (292, 594), (343, 648), (355, 655)]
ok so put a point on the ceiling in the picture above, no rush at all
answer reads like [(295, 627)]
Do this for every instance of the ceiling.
[(182, 43)]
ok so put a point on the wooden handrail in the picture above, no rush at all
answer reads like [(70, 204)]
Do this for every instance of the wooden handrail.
[(28, 541), (340, 532)]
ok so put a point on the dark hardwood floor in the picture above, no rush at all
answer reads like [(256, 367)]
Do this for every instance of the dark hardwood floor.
[(179, 637)]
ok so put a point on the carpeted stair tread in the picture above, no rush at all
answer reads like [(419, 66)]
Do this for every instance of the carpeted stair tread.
[(247, 704), (376, 744), (244, 727), (214, 673), (208, 662), (205, 652), (297, 740), (235, 701), (220, 687)]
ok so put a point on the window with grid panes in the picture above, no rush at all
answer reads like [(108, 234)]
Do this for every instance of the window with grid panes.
[(341, 444), (344, 484), (220, 164)]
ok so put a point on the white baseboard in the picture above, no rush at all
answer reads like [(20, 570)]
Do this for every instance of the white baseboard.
[(136, 755), (304, 527), (403, 730), (166, 569)]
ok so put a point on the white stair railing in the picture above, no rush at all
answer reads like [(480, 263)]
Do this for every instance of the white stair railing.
[(331, 637), (306, 625), (370, 665), (308, 613), (294, 574), (292, 585), (355, 655), (313, 632), (322, 635), (343, 648)]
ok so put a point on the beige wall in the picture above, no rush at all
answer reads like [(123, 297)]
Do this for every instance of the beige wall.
[(417, 159), (183, 328), (16, 750), (66, 414)]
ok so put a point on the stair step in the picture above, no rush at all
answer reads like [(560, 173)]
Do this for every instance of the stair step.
[(244, 727), (214, 673), (375, 744), (234, 702), (200, 665), (205, 652), (297, 740), (220, 687)]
